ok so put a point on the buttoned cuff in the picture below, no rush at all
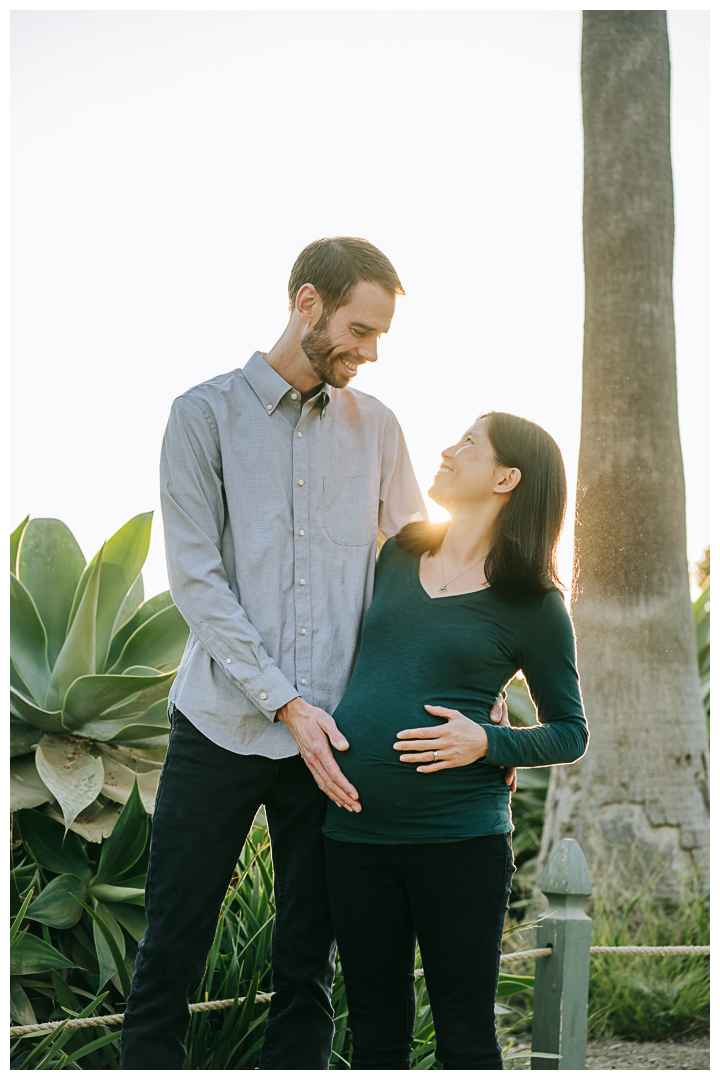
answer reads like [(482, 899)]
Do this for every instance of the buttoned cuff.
[(270, 691)]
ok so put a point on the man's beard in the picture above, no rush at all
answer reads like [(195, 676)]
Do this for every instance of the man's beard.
[(319, 348)]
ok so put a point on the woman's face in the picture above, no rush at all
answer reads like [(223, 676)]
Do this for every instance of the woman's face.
[(469, 473)]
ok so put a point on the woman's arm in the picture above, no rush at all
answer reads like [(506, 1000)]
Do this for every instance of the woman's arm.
[(548, 661)]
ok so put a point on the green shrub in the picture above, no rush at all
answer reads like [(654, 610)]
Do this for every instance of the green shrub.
[(90, 667)]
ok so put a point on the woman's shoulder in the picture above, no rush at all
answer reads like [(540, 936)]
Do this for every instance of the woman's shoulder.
[(547, 606), (391, 553)]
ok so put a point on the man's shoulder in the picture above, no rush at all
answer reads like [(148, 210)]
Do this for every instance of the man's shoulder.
[(213, 389), (365, 404)]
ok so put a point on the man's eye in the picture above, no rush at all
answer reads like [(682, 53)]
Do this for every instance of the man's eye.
[(357, 333)]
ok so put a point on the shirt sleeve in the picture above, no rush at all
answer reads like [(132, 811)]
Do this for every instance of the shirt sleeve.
[(400, 498), (193, 508), (548, 661)]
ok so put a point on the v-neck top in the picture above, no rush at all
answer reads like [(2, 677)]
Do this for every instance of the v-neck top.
[(458, 652)]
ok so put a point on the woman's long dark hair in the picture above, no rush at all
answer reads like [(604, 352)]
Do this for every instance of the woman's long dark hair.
[(523, 556)]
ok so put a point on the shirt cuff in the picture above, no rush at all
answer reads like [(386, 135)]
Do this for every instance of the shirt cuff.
[(494, 739), (270, 691)]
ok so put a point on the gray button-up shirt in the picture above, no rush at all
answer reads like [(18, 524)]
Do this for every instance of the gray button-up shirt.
[(271, 512)]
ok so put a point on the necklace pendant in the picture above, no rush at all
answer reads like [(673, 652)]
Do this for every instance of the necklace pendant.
[(442, 588)]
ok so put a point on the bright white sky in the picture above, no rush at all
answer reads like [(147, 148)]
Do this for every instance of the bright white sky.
[(169, 167)]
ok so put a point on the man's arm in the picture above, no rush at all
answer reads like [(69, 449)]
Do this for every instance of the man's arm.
[(400, 498), (193, 508), (191, 497)]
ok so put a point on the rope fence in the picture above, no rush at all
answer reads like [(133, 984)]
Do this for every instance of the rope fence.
[(212, 1006)]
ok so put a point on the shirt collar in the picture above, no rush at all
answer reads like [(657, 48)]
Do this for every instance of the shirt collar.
[(270, 387)]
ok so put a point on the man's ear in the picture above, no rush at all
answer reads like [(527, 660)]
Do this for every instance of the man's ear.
[(308, 304), (507, 481)]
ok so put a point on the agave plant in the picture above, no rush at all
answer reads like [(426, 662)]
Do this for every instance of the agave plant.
[(90, 668)]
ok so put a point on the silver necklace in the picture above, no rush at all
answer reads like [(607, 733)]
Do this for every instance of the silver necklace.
[(444, 586)]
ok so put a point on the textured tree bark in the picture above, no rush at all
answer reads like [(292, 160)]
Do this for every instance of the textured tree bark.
[(641, 791)]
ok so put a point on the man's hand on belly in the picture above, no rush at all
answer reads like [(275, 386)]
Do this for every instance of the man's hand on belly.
[(313, 730)]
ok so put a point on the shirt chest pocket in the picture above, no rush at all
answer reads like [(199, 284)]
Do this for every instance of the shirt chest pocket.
[(350, 505)]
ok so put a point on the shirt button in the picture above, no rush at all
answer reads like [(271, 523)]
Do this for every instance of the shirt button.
[(294, 396), (303, 630), (263, 696), (303, 682), (229, 660), (302, 580), (300, 483), (302, 532), (269, 408), (299, 434)]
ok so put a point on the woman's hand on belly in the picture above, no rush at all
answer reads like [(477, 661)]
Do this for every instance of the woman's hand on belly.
[(460, 741)]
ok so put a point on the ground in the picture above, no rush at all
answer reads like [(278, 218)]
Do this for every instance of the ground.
[(690, 1052)]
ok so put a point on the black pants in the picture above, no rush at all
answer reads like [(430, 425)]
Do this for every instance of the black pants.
[(453, 897), (206, 803)]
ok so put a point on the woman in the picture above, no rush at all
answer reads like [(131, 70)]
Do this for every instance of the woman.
[(457, 610)]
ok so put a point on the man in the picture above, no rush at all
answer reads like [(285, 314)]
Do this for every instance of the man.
[(276, 480)]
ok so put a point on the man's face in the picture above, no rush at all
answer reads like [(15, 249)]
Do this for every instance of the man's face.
[(336, 346)]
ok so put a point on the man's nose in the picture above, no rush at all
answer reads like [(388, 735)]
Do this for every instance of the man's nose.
[(368, 351)]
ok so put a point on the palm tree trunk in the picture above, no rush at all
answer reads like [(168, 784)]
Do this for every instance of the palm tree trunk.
[(641, 791)]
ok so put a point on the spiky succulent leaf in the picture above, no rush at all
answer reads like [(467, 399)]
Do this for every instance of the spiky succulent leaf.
[(95, 822), (26, 787), (28, 641), (21, 1011), (109, 946), (33, 714), (158, 642), (125, 630), (77, 656), (130, 605), (151, 723), (127, 843), (51, 847), (17, 682), (92, 695), (122, 560), (23, 737), (120, 780), (15, 538), (131, 917), (134, 707), (74, 776), (50, 564), (30, 955), (118, 894), (57, 904)]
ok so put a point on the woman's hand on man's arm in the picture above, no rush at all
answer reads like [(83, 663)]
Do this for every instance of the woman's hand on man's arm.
[(460, 741)]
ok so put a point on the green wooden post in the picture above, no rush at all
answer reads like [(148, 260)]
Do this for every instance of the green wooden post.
[(561, 980)]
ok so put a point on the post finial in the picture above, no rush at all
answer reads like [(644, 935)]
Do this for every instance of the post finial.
[(566, 872)]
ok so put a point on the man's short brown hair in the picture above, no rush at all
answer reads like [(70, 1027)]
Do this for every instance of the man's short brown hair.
[(335, 264)]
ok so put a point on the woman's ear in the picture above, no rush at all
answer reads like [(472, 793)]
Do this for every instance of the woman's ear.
[(507, 481)]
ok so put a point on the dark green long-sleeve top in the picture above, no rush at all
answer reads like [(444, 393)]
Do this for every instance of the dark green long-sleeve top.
[(458, 652)]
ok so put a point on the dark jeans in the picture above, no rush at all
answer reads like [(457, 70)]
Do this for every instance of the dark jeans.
[(205, 806), (453, 897)]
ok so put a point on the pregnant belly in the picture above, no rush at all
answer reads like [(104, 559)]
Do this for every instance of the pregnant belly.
[(394, 795)]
